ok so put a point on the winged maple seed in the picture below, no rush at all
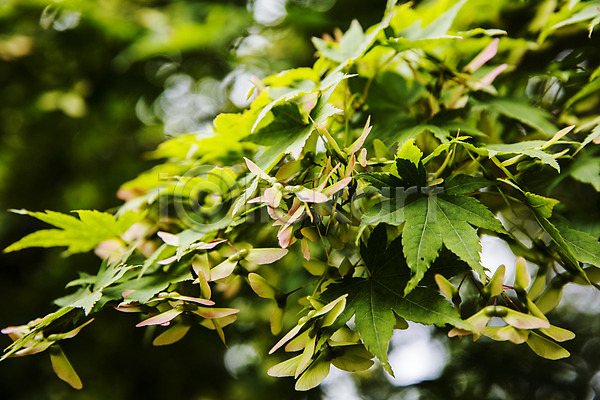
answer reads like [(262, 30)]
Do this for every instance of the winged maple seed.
[(302, 196), (441, 174), (38, 342), (518, 326)]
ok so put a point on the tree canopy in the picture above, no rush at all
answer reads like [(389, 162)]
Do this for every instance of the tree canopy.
[(337, 201)]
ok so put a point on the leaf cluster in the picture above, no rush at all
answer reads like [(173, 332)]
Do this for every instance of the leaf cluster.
[(351, 195)]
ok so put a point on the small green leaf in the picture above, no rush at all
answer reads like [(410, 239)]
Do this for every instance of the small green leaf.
[(299, 342), (447, 289), (265, 256), (215, 313), (495, 285), (171, 335), (223, 270), (546, 348), (307, 355), (587, 170), (344, 337), (87, 300), (285, 368), (557, 333), (314, 375), (375, 322), (353, 358), (523, 321), (543, 205), (160, 319), (288, 336), (409, 151), (522, 278), (514, 335), (583, 245), (63, 368), (261, 287), (465, 184)]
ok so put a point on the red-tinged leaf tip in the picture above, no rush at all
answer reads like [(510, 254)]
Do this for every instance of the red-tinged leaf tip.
[(256, 170), (486, 54), (336, 187), (72, 333), (259, 199), (195, 300), (29, 349), (362, 158), (169, 238), (285, 236), (160, 318), (293, 332), (305, 249), (265, 256), (311, 196), (489, 78), (223, 270), (213, 313), (361, 140), (15, 332), (167, 261), (271, 196), (211, 245), (128, 308)]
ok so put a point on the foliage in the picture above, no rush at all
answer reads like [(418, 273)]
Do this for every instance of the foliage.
[(381, 165)]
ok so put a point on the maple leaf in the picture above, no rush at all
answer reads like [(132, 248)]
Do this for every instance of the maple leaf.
[(80, 235), (434, 216), (376, 300), (433, 220)]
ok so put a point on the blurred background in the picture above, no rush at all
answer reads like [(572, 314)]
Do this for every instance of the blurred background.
[(87, 89)]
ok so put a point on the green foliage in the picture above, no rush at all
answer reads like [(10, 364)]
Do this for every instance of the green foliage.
[(377, 302), (80, 235), (401, 130)]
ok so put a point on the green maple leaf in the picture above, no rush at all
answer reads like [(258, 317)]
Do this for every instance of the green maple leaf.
[(353, 44), (374, 301), (290, 129), (431, 219), (449, 220), (465, 184), (408, 166), (87, 296), (587, 170), (584, 246), (80, 235)]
